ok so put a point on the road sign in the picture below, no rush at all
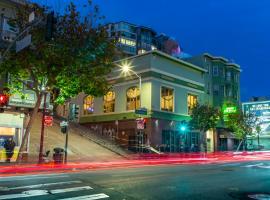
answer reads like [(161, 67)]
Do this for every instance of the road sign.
[(64, 123), (141, 111), (48, 120), (140, 124)]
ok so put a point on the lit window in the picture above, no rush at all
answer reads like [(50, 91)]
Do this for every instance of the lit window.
[(88, 105), (141, 51), (215, 71), (192, 100), (109, 102), (167, 99), (133, 98), (127, 42)]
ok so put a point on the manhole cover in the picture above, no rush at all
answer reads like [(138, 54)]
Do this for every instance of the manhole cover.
[(260, 196)]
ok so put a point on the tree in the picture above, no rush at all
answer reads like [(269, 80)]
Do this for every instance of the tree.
[(204, 118), (75, 59), (243, 125)]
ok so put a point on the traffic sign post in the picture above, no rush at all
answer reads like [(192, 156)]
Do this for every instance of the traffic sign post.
[(64, 129)]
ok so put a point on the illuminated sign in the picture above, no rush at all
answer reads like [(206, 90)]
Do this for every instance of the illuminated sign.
[(229, 110)]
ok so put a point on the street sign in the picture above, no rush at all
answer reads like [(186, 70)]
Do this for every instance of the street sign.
[(25, 42), (48, 120), (140, 124), (64, 123), (141, 111)]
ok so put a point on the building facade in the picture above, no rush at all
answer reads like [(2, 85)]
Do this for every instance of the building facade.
[(133, 39), (222, 88), (170, 89)]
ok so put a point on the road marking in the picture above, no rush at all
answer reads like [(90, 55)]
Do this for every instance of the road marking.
[(265, 167), (74, 189), (34, 193), (254, 165), (88, 197), (18, 178), (39, 185)]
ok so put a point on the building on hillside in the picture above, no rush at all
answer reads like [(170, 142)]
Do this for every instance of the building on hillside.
[(222, 88), (134, 39), (170, 89), (261, 109), (14, 115)]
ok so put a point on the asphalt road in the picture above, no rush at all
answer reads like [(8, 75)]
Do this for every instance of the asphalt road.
[(219, 181)]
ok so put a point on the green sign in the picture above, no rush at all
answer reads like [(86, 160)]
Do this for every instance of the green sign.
[(229, 110)]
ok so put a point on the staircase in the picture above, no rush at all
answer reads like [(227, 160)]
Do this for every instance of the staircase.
[(103, 141)]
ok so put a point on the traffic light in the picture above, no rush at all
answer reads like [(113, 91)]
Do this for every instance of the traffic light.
[(3, 100), (183, 126), (76, 111), (144, 123)]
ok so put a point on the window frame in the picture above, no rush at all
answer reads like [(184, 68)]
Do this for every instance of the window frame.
[(173, 94)]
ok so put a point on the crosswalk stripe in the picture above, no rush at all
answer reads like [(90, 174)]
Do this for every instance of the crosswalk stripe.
[(34, 193), (6, 179), (74, 189), (88, 197), (254, 165), (39, 185)]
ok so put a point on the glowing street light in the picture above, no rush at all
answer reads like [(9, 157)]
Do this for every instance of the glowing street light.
[(126, 69)]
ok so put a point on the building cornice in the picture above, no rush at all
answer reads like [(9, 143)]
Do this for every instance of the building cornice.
[(161, 54)]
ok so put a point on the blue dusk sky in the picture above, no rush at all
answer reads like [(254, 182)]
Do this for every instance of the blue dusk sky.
[(235, 29)]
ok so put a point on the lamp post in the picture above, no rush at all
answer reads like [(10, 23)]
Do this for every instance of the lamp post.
[(126, 69)]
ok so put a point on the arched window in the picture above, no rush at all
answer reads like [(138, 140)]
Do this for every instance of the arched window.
[(88, 105), (109, 102), (133, 98)]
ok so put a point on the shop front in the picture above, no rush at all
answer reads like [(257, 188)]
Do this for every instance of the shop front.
[(11, 126)]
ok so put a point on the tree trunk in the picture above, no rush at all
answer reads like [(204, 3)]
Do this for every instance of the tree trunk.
[(239, 145), (29, 126)]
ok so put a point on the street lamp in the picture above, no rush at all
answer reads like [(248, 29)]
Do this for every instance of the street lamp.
[(126, 68)]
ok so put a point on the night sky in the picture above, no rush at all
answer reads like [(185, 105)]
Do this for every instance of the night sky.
[(235, 29)]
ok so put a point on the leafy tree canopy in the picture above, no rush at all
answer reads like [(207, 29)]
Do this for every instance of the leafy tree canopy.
[(204, 117)]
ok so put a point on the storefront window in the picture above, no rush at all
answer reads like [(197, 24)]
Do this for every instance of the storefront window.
[(167, 101), (133, 98), (88, 105), (109, 102), (192, 100)]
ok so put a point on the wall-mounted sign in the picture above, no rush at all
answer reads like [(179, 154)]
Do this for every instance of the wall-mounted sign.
[(230, 110)]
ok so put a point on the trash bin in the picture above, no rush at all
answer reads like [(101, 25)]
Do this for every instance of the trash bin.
[(58, 155)]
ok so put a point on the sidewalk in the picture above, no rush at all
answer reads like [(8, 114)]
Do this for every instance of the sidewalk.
[(79, 147)]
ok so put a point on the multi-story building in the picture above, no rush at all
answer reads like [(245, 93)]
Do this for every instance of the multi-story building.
[(133, 39), (14, 119), (222, 88), (170, 89), (222, 79)]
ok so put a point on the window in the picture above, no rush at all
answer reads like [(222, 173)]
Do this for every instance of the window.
[(167, 99), (109, 102), (228, 76), (133, 98), (215, 70), (88, 105), (216, 89), (192, 100)]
